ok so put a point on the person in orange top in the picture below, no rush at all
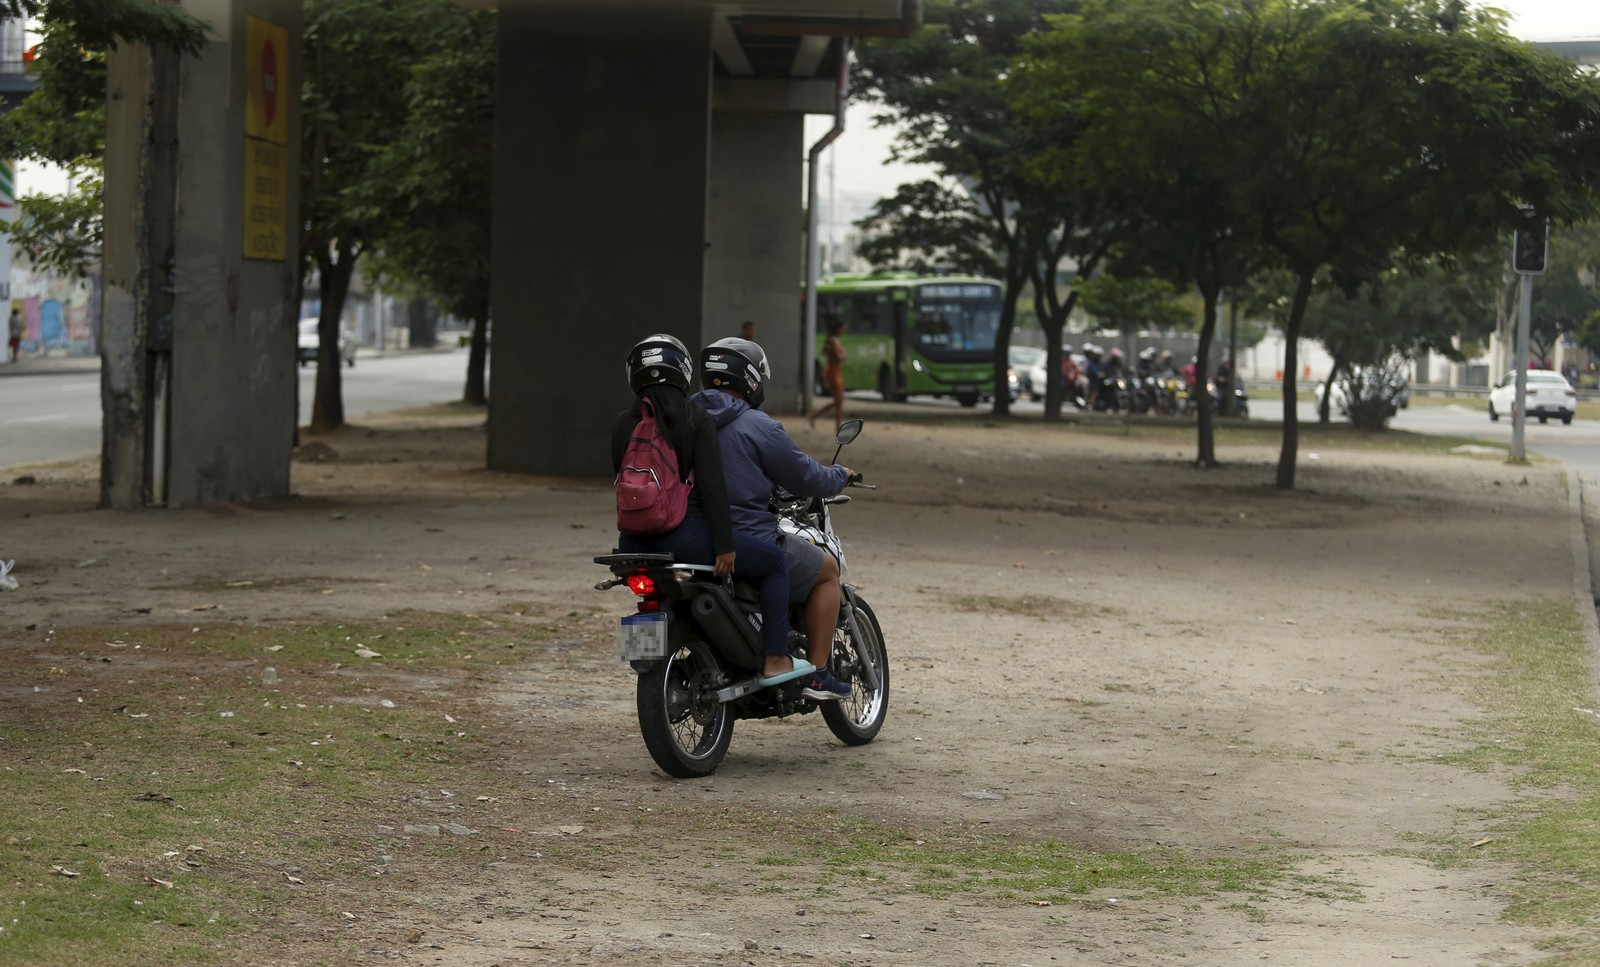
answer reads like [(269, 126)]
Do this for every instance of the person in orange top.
[(833, 375)]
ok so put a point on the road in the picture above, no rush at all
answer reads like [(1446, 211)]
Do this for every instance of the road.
[(50, 417), (57, 417), (1577, 445)]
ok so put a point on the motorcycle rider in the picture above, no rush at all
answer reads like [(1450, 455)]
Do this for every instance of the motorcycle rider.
[(758, 456), (660, 370), (1094, 371), (1146, 366), (1166, 368)]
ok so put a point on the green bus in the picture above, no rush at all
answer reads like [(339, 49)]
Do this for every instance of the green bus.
[(913, 335)]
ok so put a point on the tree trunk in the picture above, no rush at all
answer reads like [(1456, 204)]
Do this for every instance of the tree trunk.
[(1325, 411), (1002, 339), (477, 359), (422, 324), (1291, 363), (1206, 457), (1053, 324), (334, 270)]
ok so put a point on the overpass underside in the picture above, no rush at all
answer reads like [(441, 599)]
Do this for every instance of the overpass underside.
[(648, 172)]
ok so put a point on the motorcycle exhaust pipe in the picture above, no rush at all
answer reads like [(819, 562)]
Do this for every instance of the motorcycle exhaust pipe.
[(730, 633)]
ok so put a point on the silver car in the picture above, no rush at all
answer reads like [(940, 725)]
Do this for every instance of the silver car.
[(306, 350)]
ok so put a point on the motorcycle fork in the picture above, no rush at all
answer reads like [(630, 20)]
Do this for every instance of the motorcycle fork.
[(869, 674)]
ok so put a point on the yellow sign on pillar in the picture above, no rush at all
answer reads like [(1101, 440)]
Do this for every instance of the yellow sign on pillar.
[(266, 197), (267, 92), (266, 127)]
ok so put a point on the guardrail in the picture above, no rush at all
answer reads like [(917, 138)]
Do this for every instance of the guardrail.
[(1309, 389)]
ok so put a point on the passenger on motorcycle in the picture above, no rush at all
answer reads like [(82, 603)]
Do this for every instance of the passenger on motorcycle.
[(1165, 367), (660, 370), (757, 457), (1071, 378), (1094, 370)]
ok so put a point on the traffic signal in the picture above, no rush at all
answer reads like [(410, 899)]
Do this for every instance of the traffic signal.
[(1528, 249)]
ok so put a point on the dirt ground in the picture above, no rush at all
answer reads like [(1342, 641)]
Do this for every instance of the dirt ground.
[(1090, 642)]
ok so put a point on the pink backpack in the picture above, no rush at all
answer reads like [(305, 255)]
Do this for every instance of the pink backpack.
[(652, 497)]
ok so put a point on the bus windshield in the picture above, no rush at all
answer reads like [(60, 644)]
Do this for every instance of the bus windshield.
[(956, 320)]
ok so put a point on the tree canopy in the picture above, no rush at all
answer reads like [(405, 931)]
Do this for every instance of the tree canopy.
[(441, 166), (1337, 137), (943, 87), (63, 121)]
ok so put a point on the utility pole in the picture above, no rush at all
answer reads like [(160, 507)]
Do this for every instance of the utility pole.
[(1529, 248)]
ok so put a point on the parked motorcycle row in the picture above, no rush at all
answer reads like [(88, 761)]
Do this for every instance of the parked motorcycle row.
[(1103, 384)]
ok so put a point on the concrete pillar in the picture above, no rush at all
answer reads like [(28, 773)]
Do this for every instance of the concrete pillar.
[(757, 252), (601, 158), (198, 375)]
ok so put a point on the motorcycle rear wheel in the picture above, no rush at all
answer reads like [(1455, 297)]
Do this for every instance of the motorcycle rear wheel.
[(856, 720), (685, 728)]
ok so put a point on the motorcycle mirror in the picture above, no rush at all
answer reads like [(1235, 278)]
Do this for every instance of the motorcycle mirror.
[(848, 430)]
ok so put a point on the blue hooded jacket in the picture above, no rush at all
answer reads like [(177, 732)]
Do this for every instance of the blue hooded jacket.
[(758, 455)]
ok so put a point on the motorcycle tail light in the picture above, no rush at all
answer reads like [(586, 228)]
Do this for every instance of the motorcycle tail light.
[(650, 604), (641, 584)]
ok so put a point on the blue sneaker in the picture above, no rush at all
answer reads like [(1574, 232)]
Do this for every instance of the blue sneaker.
[(824, 687)]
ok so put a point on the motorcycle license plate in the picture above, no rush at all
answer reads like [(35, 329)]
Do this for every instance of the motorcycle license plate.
[(644, 636)]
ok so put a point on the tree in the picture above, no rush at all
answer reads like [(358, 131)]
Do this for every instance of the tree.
[(1132, 304), (62, 233), (64, 120), (354, 115), (942, 86), (1337, 136), (1403, 312), (1125, 80), (440, 164), (926, 227)]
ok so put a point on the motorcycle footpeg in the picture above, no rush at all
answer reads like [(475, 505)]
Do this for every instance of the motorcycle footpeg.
[(738, 690)]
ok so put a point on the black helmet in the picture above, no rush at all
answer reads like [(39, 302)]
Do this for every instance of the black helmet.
[(736, 364), (659, 359)]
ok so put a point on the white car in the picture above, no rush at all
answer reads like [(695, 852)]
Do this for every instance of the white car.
[(306, 351), (1027, 368), (1549, 394)]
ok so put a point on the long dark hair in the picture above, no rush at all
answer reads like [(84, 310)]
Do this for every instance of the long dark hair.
[(672, 415)]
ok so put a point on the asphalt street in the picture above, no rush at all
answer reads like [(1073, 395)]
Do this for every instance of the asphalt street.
[(56, 416)]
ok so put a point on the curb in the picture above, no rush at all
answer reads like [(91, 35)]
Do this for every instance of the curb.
[(1583, 571)]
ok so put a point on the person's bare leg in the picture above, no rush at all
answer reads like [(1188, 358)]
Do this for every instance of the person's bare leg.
[(822, 612)]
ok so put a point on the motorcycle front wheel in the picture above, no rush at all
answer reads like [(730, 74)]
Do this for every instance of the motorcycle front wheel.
[(684, 726), (857, 719)]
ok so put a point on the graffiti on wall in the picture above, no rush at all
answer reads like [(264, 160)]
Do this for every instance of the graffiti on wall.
[(61, 317)]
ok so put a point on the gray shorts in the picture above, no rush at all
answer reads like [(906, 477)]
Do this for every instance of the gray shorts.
[(805, 563)]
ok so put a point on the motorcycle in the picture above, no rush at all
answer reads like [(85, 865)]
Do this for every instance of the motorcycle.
[(1241, 400), (695, 643), (1114, 394)]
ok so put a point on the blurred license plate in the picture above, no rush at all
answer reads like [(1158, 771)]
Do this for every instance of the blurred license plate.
[(965, 387), (644, 636)]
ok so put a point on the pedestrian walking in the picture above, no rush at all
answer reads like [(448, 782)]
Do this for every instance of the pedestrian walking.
[(14, 335)]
